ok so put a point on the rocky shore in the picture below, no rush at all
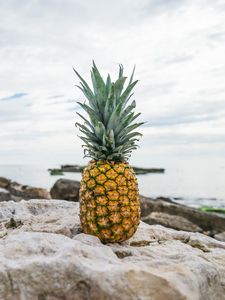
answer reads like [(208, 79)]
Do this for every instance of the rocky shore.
[(77, 168), (44, 255), (159, 210)]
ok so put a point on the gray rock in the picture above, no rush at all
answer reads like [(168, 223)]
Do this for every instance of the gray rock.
[(4, 195), (161, 211), (170, 214), (10, 190), (27, 192), (4, 182), (220, 236), (172, 221), (43, 256), (51, 216), (66, 189)]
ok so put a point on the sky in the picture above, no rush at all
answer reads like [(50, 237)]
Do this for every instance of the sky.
[(178, 47)]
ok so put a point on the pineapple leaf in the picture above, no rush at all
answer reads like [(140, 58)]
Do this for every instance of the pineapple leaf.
[(94, 116), (118, 87), (82, 80), (132, 75), (108, 131), (108, 85), (126, 93), (129, 129), (109, 106), (100, 130), (120, 70), (86, 121)]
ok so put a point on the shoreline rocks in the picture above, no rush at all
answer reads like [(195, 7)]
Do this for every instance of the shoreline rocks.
[(17, 191), (4, 195), (79, 169), (180, 217), (44, 255), (161, 210), (65, 189)]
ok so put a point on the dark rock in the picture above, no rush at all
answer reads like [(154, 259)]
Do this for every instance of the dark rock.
[(72, 168), (4, 182), (66, 189), (4, 195), (16, 198), (15, 191), (220, 236), (27, 192), (77, 168), (181, 217), (167, 220)]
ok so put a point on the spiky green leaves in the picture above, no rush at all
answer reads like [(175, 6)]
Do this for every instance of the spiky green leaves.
[(109, 133)]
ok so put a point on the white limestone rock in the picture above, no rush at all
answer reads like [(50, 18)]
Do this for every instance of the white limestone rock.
[(43, 256)]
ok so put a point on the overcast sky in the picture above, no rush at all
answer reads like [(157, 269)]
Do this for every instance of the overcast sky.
[(178, 47)]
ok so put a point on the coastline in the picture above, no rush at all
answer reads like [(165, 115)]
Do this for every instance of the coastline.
[(176, 184)]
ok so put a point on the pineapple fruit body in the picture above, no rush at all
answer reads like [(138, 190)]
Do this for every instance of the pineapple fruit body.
[(109, 201)]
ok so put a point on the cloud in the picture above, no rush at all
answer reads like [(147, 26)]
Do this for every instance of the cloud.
[(14, 96), (195, 113), (162, 6), (178, 49)]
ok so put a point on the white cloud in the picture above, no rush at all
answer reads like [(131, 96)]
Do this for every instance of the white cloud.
[(177, 46)]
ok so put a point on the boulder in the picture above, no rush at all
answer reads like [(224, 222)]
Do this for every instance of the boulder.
[(11, 190), (220, 236), (161, 211), (4, 182), (27, 192), (165, 212), (66, 189), (4, 195), (172, 221), (44, 255)]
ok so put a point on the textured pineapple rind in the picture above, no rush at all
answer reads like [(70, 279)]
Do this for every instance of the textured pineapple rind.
[(109, 201)]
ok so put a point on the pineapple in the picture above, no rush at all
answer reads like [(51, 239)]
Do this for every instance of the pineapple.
[(109, 197)]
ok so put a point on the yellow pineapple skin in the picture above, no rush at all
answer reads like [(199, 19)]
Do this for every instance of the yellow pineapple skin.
[(109, 201)]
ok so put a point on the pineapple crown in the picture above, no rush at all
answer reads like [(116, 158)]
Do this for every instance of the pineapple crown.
[(109, 133)]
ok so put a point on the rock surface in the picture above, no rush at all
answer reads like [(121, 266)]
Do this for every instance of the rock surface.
[(4, 195), (16, 191), (4, 182), (77, 168), (66, 189), (220, 236), (156, 211), (170, 214), (44, 255), (28, 192)]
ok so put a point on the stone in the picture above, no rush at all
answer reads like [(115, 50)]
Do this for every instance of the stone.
[(161, 211), (220, 236), (4, 182), (43, 215), (172, 221), (10, 190), (165, 212), (4, 195), (66, 189), (44, 255), (27, 192)]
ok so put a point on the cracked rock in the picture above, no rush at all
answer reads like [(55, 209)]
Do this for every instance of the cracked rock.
[(45, 256)]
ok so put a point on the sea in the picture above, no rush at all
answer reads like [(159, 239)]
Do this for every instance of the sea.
[(192, 184)]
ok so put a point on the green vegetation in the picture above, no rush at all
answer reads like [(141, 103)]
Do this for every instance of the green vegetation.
[(212, 209)]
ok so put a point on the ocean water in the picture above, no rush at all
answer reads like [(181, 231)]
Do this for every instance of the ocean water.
[(192, 184)]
